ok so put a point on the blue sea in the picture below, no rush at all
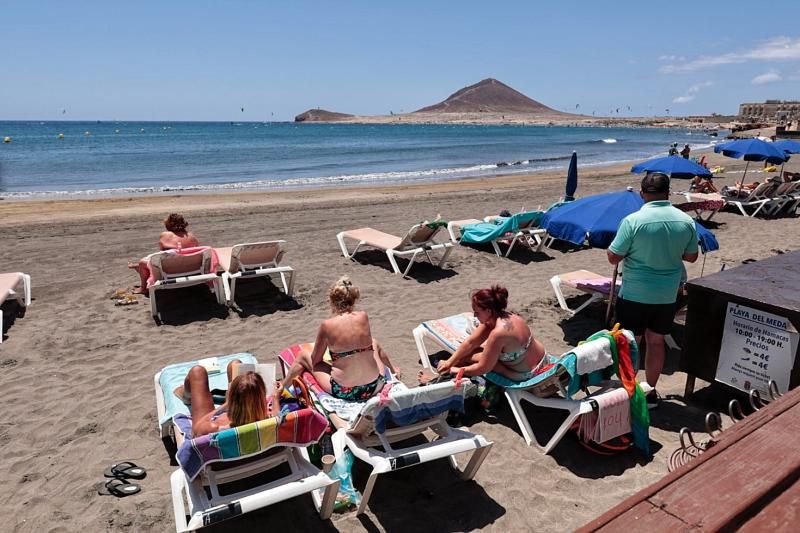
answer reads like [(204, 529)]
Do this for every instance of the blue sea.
[(65, 159)]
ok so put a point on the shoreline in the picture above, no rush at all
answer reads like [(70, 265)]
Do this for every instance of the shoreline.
[(23, 210), (64, 208)]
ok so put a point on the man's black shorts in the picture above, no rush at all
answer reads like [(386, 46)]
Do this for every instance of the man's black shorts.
[(638, 317)]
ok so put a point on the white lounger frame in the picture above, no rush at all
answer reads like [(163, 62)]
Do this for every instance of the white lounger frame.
[(515, 398), (537, 234), (190, 498), (449, 442), (286, 273), (182, 280), (555, 282), (23, 299), (412, 252)]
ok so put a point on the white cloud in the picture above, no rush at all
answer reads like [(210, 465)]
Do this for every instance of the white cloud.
[(776, 49), (691, 92), (768, 77)]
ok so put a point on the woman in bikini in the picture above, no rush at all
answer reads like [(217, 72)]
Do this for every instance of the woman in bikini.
[(356, 369), (245, 401), (175, 237), (502, 342)]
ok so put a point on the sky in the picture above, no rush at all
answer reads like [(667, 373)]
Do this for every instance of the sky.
[(205, 60)]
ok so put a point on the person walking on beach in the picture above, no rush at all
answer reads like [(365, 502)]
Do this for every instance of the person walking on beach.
[(686, 151), (673, 149), (652, 244)]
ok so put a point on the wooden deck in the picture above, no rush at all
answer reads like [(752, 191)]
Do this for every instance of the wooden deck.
[(749, 481)]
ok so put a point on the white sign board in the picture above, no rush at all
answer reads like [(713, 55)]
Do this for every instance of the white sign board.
[(756, 347)]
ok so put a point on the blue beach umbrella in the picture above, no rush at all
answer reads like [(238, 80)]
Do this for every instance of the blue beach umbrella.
[(673, 166), (787, 145), (597, 218), (572, 178), (752, 150)]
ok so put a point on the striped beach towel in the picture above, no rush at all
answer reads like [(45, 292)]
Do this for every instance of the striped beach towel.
[(298, 428)]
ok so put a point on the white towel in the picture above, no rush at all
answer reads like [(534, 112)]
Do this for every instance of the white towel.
[(593, 355), (612, 418)]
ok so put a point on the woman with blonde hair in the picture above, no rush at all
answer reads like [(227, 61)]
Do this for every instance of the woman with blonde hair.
[(357, 361), (245, 400)]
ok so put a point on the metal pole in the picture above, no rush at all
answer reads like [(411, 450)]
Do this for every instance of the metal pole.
[(612, 295), (741, 183)]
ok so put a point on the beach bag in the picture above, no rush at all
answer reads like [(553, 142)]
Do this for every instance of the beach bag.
[(294, 397)]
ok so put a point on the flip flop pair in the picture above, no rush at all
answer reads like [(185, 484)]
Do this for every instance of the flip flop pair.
[(119, 485)]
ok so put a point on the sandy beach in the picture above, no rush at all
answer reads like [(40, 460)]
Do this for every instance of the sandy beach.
[(78, 371)]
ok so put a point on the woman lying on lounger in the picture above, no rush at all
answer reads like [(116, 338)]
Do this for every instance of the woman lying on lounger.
[(245, 401), (501, 343), (356, 369), (175, 237)]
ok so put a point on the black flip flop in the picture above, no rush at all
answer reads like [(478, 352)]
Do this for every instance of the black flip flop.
[(117, 487), (125, 470)]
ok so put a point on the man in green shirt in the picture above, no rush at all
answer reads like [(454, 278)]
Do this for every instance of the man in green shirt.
[(652, 245)]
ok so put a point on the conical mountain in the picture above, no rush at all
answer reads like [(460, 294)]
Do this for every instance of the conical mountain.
[(489, 96)]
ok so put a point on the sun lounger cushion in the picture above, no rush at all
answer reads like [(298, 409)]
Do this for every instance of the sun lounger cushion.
[(172, 376), (301, 428), (487, 232), (375, 238), (8, 283)]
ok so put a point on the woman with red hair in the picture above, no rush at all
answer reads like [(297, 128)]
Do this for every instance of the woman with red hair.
[(501, 343)]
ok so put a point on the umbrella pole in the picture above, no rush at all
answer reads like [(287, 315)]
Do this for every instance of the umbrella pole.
[(741, 183), (612, 295)]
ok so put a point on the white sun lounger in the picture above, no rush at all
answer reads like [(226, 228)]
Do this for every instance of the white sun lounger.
[(14, 285), (196, 497), (376, 434), (175, 271), (252, 260), (757, 198), (599, 287), (547, 390), (418, 240), (785, 195)]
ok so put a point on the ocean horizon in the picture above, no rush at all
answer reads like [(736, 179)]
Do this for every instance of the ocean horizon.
[(90, 158)]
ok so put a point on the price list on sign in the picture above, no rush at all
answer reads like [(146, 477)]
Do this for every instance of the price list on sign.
[(756, 347)]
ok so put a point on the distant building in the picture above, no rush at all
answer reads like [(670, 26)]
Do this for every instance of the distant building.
[(780, 110)]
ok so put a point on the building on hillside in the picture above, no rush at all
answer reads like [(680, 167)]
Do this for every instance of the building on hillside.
[(779, 110)]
